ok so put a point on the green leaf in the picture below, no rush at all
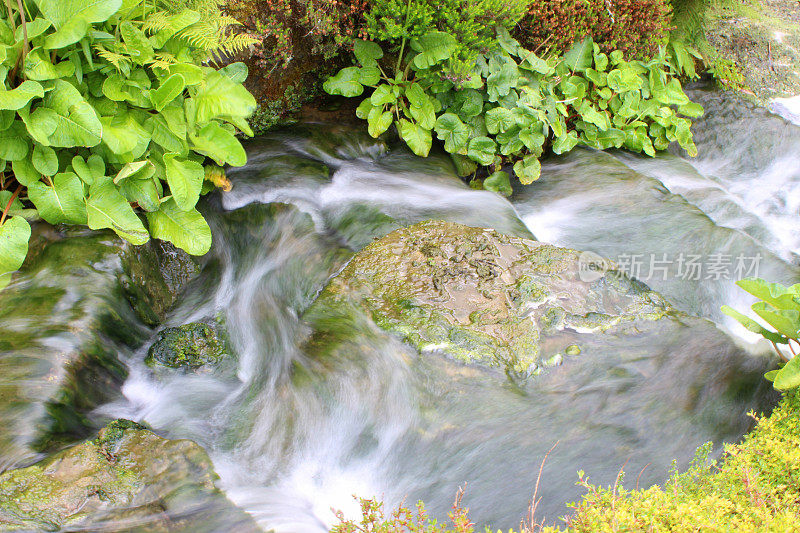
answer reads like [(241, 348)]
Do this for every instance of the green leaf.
[(25, 172), (14, 236), (185, 179), (63, 202), (142, 191), (424, 115), (774, 294), (378, 121), (692, 110), (432, 48), (121, 133), (135, 170), (136, 43), (383, 95), (70, 33), (499, 119), (369, 76), (623, 80), (564, 143), (169, 89), (528, 169), (220, 145), (44, 160), (76, 123), (593, 116), (13, 143), (59, 12), (451, 130), (785, 321), (364, 108), (789, 376), (416, 137), (534, 63), (345, 83), (187, 230), (367, 53), (18, 98), (752, 325), (89, 170), (580, 56), (192, 74), (469, 103), (464, 165), (107, 208), (499, 183), (219, 97), (236, 72), (673, 94), (502, 80), (482, 150), (39, 68)]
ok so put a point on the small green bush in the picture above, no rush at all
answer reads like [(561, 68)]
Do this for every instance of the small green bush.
[(636, 27), (513, 105), (107, 109)]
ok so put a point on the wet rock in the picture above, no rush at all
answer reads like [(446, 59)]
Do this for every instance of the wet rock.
[(81, 299), (126, 478), (189, 347), (491, 299)]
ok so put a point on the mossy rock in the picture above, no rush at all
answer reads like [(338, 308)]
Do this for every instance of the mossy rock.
[(484, 297), (128, 476), (189, 347)]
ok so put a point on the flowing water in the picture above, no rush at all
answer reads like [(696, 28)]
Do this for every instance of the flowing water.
[(293, 435)]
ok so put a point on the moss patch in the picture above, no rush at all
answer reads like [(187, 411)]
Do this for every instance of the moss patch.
[(190, 347)]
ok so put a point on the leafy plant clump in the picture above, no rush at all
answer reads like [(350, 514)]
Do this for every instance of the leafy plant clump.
[(108, 110), (778, 306), (514, 104)]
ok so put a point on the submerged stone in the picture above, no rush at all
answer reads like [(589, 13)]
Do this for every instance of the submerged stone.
[(81, 299), (190, 346), (490, 299), (127, 477)]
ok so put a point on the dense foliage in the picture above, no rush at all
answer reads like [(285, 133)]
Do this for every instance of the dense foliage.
[(107, 109), (636, 27), (514, 104), (778, 306)]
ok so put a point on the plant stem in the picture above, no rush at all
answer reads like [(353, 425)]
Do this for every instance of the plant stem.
[(403, 43), (8, 205), (25, 45), (780, 353)]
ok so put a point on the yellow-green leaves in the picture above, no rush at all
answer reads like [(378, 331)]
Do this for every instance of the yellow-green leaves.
[(18, 98), (416, 137), (219, 96), (61, 202), (219, 144), (345, 83), (187, 230), (433, 48), (108, 208), (14, 235), (185, 180), (169, 89)]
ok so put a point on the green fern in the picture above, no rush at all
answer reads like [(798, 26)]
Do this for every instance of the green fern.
[(690, 18)]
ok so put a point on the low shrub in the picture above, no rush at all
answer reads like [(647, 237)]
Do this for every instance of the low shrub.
[(636, 27), (108, 110)]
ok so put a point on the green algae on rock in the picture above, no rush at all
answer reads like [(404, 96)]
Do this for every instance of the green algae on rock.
[(129, 477), (190, 346), (484, 297)]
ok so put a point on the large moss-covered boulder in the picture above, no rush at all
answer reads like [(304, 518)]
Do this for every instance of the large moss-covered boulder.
[(127, 476), (81, 299), (491, 299), (189, 347)]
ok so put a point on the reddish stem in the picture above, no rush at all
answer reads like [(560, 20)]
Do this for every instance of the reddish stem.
[(8, 205)]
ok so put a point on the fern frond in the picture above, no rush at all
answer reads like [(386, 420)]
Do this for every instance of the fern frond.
[(119, 61), (156, 22), (238, 42)]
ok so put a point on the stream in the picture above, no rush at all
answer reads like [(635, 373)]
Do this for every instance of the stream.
[(293, 437)]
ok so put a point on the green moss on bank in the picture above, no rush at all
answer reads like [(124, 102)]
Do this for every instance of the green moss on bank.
[(754, 487)]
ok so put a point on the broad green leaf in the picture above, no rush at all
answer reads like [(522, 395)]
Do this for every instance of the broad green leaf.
[(499, 183), (451, 130), (691, 109), (345, 83), (63, 202), (59, 12), (752, 325), (464, 165), (499, 120), (673, 94), (507, 42), (14, 236), (432, 48), (369, 76), (580, 56), (364, 108), (593, 116), (70, 33), (237, 72), (416, 137), (219, 144), (121, 133), (789, 376), (13, 143), (39, 68), (34, 28), (774, 294), (367, 53), (143, 192), (482, 150), (218, 96), (383, 95), (165, 136), (502, 80), (564, 143), (44, 160), (185, 179), (187, 230), (469, 103), (528, 169), (192, 74), (108, 208), (624, 79), (76, 123), (785, 321), (135, 170), (90, 169), (167, 91), (424, 115), (136, 43), (534, 63), (378, 121), (18, 98), (25, 172)]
